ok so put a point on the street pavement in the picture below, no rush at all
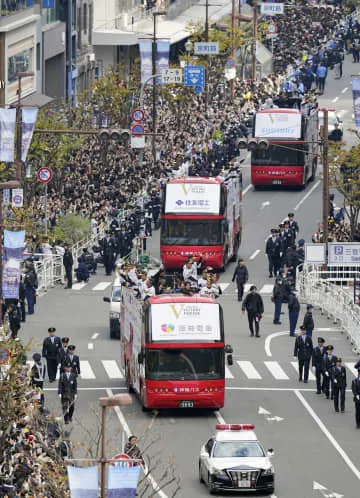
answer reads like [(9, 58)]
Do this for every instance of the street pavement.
[(311, 441)]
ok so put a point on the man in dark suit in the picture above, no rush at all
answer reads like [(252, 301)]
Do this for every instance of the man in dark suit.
[(67, 391), (254, 306), (63, 351), (68, 263), (273, 250), (303, 351), (329, 361), (355, 387), (74, 359), (317, 363), (241, 275), (338, 376), (51, 346)]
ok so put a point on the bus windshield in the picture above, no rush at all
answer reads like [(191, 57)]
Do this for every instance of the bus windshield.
[(185, 364), (278, 156), (192, 232)]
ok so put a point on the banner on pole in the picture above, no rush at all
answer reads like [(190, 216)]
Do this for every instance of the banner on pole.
[(145, 47), (162, 57), (29, 116), (355, 82), (7, 135), (14, 243), (123, 482), (83, 482)]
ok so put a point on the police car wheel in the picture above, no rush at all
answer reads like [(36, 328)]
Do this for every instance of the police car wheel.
[(201, 480), (210, 485)]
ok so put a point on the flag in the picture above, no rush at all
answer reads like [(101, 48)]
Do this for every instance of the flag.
[(145, 47), (28, 124), (123, 481), (14, 243), (83, 482), (162, 57), (355, 82), (7, 135)]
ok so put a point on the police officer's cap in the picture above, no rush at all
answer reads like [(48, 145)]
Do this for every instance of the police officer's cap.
[(309, 306), (36, 356), (273, 230), (51, 329), (253, 287), (67, 364), (281, 225), (290, 215), (72, 347), (330, 347), (286, 222), (321, 339), (339, 360), (302, 327), (65, 340)]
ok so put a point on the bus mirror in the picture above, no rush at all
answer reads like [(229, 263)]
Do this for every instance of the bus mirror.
[(106, 299), (229, 360), (140, 358), (228, 349)]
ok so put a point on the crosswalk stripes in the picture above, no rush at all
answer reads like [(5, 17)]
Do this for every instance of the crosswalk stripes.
[(86, 371), (276, 370), (228, 374), (101, 286), (353, 370), (79, 285), (295, 364), (249, 370), (112, 369)]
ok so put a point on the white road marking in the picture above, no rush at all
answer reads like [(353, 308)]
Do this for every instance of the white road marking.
[(224, 286), (95, 336), (101, 286), (353, 370), (265, 204), (112, 369), (246, 189), (128, 432), (247, 287), (90, 345), (86, 370), (269, 339), (276, 370), (335, 99), (266, 289), (228, 374), (79, 285), (295, 364), (263, 411), (254, 254), (345, 89), (219, 417), (306, 195), (249, 370), (327, 433)]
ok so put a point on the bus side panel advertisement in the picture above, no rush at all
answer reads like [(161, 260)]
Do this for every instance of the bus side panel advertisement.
[(185, 322), (278, 125), (187, 198)]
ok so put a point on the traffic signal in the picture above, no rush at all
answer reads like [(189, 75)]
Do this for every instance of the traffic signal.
[(120, 136), (253, 143)]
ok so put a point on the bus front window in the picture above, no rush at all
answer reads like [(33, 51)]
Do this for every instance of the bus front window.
[(191, 232)]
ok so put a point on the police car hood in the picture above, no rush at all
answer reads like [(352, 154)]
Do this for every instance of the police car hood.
[(242, 463)]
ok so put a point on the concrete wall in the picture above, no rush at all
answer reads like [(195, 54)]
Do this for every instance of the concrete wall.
[(55, 73)]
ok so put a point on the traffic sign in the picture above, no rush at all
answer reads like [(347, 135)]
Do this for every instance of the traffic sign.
[(44, 175), (272, 28), (206, 48), (230, 62), (169, 76), (17, 197), (138, 115), (137, 129), (123, 463), (194, 76)]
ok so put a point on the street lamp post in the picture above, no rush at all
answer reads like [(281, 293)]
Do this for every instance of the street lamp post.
[(325, 161)]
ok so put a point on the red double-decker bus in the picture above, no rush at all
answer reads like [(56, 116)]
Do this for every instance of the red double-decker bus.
[(292, 155), (173, 350), (201, 216)]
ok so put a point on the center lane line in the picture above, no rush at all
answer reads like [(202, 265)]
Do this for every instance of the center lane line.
[(345, 89), (254, 254), (307, 195)]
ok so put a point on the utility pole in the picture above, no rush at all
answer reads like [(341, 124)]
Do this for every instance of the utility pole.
[(255, 22), (325, 161), (233, 48), (154, 92), (206, 68)]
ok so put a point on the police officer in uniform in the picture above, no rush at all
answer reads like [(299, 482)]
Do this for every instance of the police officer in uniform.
[(338, 376), (74, 359), (14, 315), (67, 391), (273, 249), (303, 351), (277, 297), (293, 224), (37, 375), (308, 321), (329, 361), (63, 352), (50, 350), (355, 387), (317, 364)]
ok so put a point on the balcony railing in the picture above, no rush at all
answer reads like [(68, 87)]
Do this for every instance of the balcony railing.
[(9, 7)]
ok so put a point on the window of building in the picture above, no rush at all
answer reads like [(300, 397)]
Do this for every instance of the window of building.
[(85, 18), (20, 63), (9, 7)]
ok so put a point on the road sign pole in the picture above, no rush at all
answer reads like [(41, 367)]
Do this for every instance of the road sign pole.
[(46, 210)]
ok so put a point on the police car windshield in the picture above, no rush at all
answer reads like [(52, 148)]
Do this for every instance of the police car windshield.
[(192, 232), (237, 449)]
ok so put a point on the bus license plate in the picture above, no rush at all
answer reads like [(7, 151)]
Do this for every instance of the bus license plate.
[(244, 484), (276, 182), (186, 404)]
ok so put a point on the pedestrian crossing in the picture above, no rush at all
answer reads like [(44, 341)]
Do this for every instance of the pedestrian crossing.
[(265, 289), (241, 370), (101, 286)]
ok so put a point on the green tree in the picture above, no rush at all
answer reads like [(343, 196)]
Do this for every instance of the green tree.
[(71, 228)]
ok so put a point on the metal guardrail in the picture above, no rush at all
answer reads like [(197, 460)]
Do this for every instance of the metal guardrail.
[(321, 289)]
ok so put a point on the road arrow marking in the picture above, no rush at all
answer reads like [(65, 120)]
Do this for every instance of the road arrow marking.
[(262, 411), (265, 204), (318, 486), (276, 419), (336, 495)]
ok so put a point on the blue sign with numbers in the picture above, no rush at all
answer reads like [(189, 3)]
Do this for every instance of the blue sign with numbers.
[(194, 75), (344, 253)]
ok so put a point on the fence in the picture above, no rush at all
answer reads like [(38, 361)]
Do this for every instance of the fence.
[(330, 290)]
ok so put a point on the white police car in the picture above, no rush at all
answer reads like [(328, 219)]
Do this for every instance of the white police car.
[(234, 460)]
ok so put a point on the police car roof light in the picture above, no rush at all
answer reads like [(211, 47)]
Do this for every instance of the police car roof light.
[(235, 427)]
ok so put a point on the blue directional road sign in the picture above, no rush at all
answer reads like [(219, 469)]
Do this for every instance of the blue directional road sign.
[(194, 76), (198, 89)]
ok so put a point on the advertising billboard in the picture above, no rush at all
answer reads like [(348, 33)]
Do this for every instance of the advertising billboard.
[(192, 198)]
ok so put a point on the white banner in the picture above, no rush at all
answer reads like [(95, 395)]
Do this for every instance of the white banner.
[(188, 198), (188, 321), (162, 57), (278, 124), (28, 125), (271, 9), (145, 47), (7, 135)]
